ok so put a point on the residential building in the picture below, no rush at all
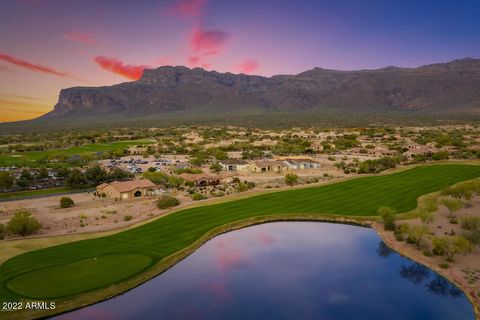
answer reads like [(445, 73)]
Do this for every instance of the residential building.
[(127, 190)]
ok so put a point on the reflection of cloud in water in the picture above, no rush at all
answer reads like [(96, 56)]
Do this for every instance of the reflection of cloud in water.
[(218, 289), (294, 270), (229, 254), (266, 238)]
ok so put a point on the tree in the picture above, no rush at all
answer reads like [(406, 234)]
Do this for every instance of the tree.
[(2, 231), (452, 204), (159, 178), (426, 216), (449, 246), (216, 167), (174, 182), (387, 215), (26, 175), (291, 179), (6, 180), (96, 174), (76, 179), (23, 183), (66, 202), (459, 191), (43, 173), (23, 223), (220, 155), (431, 205), (118, 174), (417, 234)]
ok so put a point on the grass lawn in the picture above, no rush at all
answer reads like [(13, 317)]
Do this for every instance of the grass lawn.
[(30, 157), (34, 193), (23, 275)]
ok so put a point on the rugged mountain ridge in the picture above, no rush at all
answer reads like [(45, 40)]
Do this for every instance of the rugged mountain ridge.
[(443, 87)]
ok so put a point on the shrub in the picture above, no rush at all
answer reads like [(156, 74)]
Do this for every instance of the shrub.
[(66, 202), (417, 234), (471, 223), (127, 218), (165, 202), (472, 235), (444, 265), (198, 196), (453, 220), (441, 155), (23, 223), (387, 215), (242, 187), (401, 232), (449, 246), (188, 170), (2, 231), (291, 179)]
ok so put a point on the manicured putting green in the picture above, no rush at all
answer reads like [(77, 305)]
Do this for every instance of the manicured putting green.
[(66, 279), (163, 237)]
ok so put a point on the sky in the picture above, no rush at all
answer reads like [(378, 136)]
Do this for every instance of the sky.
[(47, 45)]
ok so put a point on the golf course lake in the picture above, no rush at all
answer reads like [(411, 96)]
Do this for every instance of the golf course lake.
[(290, 270)]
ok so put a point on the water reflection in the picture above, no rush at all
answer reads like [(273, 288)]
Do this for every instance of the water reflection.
[(383, 250), (290, 270), (443, 287), (415, 272), (419, 274)]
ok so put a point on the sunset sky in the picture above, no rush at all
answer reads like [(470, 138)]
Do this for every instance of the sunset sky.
[(47, 45)]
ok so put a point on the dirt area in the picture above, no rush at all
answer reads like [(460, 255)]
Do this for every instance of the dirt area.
[(91, 214), (465, 270)]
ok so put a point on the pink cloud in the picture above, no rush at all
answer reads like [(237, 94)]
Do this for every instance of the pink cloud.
[(118, 67), (266, 238), (79, 37), (229, 255), (194, 61), (163, 61), (248, 66), (3, 68), (208, 42), (187, 8), (218, 289), (33, 66)]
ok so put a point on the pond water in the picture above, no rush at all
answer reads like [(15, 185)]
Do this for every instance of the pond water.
[(290, 270)]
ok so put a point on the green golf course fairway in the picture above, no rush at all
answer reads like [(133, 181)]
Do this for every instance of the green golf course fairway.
[(67, 270), (54, 282)]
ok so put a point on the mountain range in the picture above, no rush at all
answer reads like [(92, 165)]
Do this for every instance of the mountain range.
[(452, 87)]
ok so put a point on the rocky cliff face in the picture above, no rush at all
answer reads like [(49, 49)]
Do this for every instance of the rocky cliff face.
[(447, 87)]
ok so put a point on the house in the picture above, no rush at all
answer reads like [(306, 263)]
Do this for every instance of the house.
[(127, 190), (233, 165), (202, 179), (416, 150), (267, 166), (300, 163)]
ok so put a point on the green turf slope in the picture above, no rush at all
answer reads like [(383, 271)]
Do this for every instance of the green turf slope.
[(22, 275)]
